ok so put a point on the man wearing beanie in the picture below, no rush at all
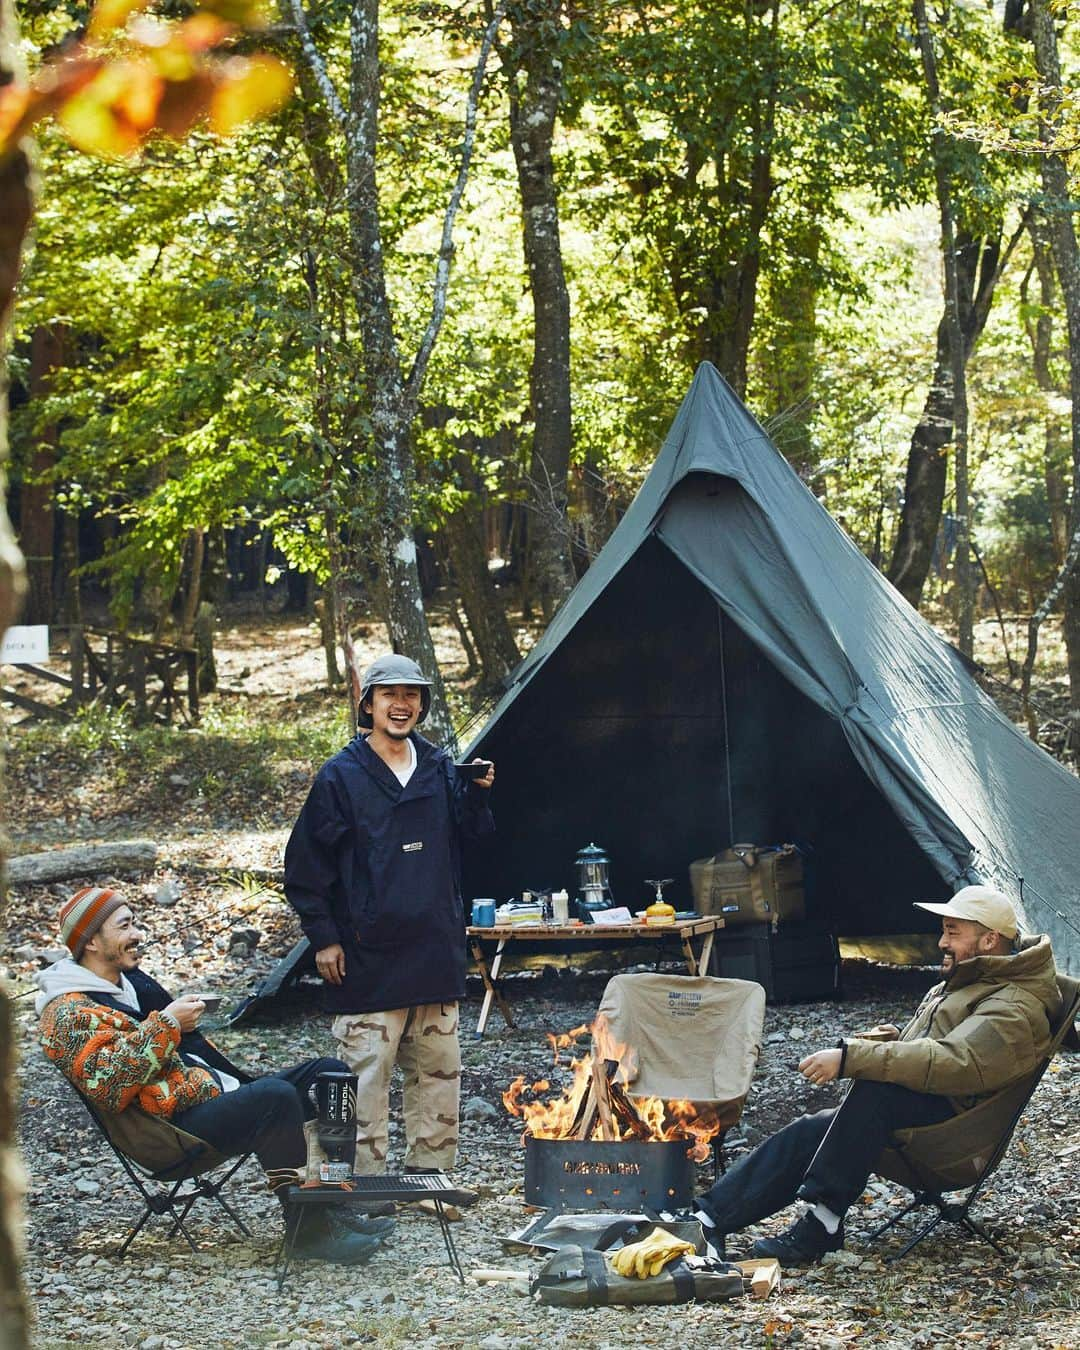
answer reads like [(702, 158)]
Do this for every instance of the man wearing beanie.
[(373, 869), (126, 1043), (984, 1026)]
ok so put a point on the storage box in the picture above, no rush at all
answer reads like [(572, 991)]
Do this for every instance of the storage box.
[(798, 961), (748, 883)]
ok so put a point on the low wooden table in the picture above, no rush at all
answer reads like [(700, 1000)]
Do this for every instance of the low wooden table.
[(588, 935)]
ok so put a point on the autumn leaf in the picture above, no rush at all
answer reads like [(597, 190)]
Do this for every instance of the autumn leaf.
[(109, 15), (249, 14), (111, 115), (184, 103), (91, 125), (249, 87), (16, 113)]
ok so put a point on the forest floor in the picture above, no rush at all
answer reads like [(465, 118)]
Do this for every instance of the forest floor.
[(219, 801)]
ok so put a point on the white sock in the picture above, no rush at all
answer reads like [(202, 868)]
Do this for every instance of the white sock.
[(704, 1219), (824, 1215)]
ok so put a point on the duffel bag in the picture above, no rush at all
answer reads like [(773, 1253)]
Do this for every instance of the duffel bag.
[(579, 1278), (750, 883)]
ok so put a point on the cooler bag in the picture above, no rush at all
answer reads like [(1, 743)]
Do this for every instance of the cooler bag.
[(750, 883)]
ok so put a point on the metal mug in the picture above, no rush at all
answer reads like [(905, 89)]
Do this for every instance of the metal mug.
[(335, 1100), (483, 913)]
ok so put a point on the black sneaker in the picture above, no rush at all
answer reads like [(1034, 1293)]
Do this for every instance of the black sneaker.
[(805, 1242)]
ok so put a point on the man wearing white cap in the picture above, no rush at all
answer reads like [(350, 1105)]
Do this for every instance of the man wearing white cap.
[(984, 1026)]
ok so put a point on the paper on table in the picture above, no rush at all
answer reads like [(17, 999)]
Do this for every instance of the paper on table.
[(620, 915)]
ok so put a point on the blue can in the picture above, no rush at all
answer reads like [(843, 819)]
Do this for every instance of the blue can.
[(483, 913)]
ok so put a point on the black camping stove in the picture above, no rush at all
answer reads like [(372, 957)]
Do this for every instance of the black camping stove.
[(628, 1176)]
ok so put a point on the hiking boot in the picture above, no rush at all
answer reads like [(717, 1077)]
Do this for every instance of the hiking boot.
[(323, 1237), (804, 1243), (374, 1209), (348, 1217)]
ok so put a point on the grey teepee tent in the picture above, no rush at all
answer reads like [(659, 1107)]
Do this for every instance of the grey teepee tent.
[(730, 668)]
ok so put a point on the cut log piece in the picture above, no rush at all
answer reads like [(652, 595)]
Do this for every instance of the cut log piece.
[(82, 860)]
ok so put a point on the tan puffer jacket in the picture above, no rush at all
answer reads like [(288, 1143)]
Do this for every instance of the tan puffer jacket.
[(983, 1027)]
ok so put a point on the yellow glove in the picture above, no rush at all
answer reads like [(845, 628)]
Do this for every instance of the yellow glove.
[(649, 1256)]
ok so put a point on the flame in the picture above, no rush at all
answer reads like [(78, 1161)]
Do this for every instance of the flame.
[(564, 1040), (632, 1117)]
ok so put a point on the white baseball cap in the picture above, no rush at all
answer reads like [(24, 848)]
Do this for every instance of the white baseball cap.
[(979, 904)]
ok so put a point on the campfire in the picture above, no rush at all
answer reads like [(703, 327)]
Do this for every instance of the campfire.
[(597, 1104)]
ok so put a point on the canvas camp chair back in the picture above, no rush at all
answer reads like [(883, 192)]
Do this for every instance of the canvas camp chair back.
[(692, 1038), (169, 1167), (963, 1151)]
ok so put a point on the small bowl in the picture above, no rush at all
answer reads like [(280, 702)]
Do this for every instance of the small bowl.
[(213, 1002)]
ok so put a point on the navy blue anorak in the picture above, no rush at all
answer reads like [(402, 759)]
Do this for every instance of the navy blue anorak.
[(376, 866)]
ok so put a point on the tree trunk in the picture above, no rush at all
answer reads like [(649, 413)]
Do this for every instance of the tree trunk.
[(70, 601), (954, 338), (977, 267), (37, 515), (1041, 336), (191, 596), (790, 363), (535, 77), (206, 671), (495, 646), (716, 290), (1058, 206), (16, 208), (391, 413)]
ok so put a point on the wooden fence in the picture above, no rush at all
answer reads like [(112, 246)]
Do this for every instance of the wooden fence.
[(156, 682)]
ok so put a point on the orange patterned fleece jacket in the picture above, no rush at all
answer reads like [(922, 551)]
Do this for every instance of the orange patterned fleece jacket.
[(115, 1060)]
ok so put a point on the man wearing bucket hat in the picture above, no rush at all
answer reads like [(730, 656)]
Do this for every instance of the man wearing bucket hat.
[(985, 1025), (373, 869)]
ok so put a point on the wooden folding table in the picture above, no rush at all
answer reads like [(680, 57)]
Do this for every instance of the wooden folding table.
[(591, 936)]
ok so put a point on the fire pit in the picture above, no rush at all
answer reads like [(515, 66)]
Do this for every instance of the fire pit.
[(595, 1147), (628, 1175)]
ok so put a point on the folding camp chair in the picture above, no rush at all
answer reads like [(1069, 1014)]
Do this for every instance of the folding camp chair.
[(694, 1038), (963, 1151), (167, 1166)]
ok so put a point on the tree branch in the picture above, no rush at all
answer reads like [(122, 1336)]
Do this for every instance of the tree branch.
[(446, 247), (318, 66)]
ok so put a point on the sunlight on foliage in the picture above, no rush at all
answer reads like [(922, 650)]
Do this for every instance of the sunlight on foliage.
[(136, 75)]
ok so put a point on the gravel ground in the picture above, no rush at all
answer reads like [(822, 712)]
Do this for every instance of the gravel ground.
[(950, 1292)]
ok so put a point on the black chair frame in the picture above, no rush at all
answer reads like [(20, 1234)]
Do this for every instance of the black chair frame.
[(173, 1190), (959, 1211)]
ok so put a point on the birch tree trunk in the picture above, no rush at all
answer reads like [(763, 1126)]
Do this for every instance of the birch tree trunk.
[(392, 395), (535, 77), (391, 413), (16, 208)]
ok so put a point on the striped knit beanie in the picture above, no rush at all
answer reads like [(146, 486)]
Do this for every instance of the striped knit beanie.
[(83, 915)]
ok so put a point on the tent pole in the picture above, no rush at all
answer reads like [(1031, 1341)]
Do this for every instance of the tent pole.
[(727, 738)]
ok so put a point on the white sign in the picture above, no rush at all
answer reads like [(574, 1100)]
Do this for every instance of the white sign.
[(24, 644)]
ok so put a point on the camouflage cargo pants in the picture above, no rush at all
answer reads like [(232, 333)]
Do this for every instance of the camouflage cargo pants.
[(424, 1042)]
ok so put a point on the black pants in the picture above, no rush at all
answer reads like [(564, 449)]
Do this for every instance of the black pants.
[(824, 1158), (265, 1117)]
